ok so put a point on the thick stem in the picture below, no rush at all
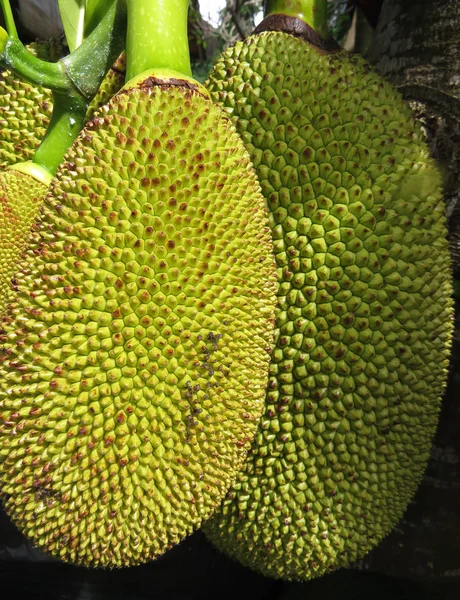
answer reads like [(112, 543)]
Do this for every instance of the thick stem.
[(87, 66), (81, 72), (66, 123), (15, 57), (157, 36), (74, 81), (9, 19), (32, 170), (3, 39), (311, 12), (95, 12)]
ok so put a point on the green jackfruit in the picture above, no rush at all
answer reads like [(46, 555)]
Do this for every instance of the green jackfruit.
[(364, 316), (454, 238), (25, 109), (135, 357), (20, 197), (25, 112)]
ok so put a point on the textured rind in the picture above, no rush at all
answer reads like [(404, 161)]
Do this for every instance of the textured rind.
[(25, 112), (135, 359), (20, 197), (25, 109), (51, 50), (364, 317), (454, 238)]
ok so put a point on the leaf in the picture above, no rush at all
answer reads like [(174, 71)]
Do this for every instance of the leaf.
[(73, 19)]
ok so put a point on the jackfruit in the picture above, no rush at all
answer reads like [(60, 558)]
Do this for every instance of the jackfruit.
[(364, 314), (135, 356), (24, 116), (25, 109), (454, 238), (21, 195)]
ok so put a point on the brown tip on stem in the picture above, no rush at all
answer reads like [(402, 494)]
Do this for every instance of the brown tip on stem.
[(297, 28), (165, 78)]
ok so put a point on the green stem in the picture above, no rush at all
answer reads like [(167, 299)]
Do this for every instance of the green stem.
[(87, 66), (312, 12), (17, 58), (9, 19), (3, 39), (66, 123), (95, 11), (74, 81), (81, 72), (157, 36)]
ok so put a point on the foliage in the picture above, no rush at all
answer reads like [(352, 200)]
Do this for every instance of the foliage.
[(237, 19), (340, 13), (202, 68)]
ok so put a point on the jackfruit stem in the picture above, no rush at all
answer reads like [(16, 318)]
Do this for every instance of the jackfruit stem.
[(74, 80), (9, 19), (33, 170), (81, 72), (157, 37), (88, 64), (15, 57), (311, 12), (67, 121), (3, 39)]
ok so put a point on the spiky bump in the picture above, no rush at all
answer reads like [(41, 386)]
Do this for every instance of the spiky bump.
[(20, 197), (134, 367), (25, 111), (50, 50), (454, 238), (364, 315)]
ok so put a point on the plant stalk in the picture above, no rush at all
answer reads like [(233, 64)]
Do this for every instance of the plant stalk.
[(87, 66), (9, 19), (15, 57), (74, 81), (157, 36), (311, 12), (4, 37), (66, 123), (95, 12), (81, 72)]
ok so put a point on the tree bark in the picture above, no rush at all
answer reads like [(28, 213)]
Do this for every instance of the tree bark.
[(417, 47)]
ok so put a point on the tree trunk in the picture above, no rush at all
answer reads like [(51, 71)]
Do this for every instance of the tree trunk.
[(416, 46)]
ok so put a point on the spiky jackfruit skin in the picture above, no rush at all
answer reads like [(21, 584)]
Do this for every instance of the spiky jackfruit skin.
[(364, 316), (454, 239), (51, 50), (135, 359), (20, 197), (25, 112)]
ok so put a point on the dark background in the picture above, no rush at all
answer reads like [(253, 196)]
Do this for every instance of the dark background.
[(194, 570)]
